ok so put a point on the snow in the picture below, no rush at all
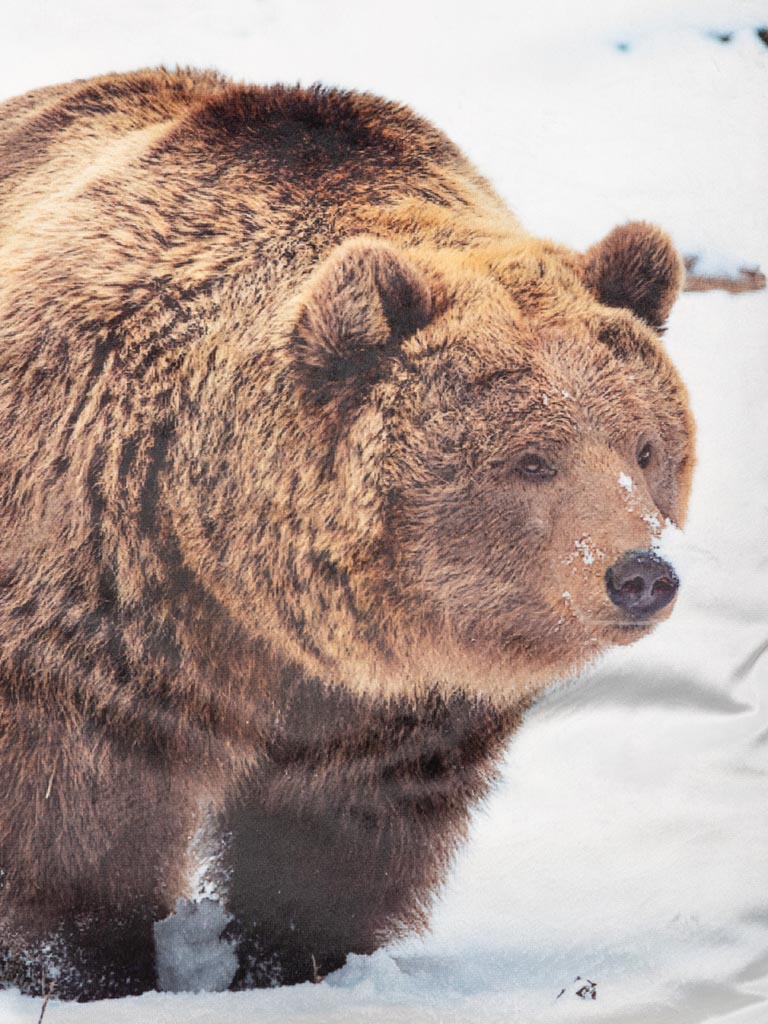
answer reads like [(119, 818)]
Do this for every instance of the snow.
[(627, 840), (587, 551), (717, 264), (204, 852), (626, 482), (191, 955)]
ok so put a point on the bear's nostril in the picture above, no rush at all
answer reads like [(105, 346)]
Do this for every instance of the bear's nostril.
[(663, 586), (641, 583), (633, 587)]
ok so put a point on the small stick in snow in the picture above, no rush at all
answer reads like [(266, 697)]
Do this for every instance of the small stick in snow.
[(746, 279), (316, 976), (42, 1009), (46, 995), (588, 990)]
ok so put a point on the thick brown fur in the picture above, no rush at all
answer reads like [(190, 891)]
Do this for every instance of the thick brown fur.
[(271, 363)]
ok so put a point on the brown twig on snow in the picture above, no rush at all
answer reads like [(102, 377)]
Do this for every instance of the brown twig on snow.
[(316, 976), (747, 279), (42, 1009), (46, 996)]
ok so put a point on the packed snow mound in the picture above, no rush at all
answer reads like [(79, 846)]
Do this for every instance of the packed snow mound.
[(191, 954)]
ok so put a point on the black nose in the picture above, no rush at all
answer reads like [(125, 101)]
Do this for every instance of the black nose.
[(641, 583)]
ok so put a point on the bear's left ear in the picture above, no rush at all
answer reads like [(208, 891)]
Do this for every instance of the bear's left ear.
[(637, 267), (359, 306)]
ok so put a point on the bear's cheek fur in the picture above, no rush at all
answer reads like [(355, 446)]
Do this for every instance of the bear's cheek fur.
[(474, 561), (516, 572)]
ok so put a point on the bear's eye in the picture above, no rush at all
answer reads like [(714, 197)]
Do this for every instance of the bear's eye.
[(644, 455), (534, 467)]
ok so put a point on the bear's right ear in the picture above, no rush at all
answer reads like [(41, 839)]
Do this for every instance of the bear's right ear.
[(360, 305), (636, 267)]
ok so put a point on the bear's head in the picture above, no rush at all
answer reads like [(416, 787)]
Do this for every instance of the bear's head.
[(473, 454)]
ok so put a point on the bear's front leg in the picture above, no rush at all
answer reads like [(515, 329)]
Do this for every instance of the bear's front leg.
[(92, 851), (61, 950), (345, 836)]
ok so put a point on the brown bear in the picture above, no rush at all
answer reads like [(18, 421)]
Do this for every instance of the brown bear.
[(315, 470)]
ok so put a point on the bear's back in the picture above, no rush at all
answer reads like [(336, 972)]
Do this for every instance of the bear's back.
[(344, 148)]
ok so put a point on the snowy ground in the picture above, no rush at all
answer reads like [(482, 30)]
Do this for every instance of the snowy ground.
[(627, 844)]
